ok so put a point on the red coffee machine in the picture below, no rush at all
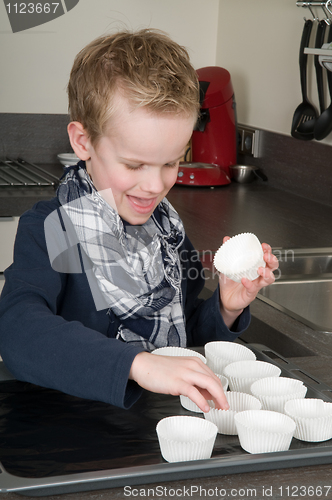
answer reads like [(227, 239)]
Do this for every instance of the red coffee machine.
[(214, 140)]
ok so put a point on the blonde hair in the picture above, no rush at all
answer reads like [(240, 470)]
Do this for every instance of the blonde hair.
[(148, 67)]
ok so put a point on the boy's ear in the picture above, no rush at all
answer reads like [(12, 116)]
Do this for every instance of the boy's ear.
[(79, 140)]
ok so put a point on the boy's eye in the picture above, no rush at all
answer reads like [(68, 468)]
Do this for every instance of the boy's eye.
[(139, 167), (173, 164), (134, 167)]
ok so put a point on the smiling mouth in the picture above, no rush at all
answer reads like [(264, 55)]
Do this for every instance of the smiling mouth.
[(142, 205)]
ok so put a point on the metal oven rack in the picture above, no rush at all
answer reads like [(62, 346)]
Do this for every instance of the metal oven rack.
[(21, 173)]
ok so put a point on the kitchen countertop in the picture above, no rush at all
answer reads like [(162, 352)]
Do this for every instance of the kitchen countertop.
[(282, 220), (279, 218)]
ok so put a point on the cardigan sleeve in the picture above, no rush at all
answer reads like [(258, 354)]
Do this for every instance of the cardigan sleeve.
[(204, 322), (47, 335)]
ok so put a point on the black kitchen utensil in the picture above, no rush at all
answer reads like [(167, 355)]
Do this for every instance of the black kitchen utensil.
[(323, 125), (320, 36), (305, 114)]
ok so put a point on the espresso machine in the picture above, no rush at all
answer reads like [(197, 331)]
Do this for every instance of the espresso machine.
[(214, 140)]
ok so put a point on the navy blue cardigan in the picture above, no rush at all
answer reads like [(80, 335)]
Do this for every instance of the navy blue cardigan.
[(52, 335)]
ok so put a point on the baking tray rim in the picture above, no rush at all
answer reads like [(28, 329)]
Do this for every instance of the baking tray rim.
[(163, 472)]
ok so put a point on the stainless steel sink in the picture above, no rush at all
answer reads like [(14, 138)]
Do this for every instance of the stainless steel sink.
[(303, 286)]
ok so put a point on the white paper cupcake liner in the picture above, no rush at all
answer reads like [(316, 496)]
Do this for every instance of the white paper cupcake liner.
[(262, 431), (178, 351), (240, 257), (223, 380), (273, 392), (183, 438), (224, 419), (242, 374), (313, 418), (191, 406), (219, 354), (187, 404)]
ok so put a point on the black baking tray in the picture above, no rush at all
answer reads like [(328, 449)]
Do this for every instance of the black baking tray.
[(52, 443)]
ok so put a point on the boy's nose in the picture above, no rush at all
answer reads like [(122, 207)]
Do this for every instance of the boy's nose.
[(153, 180)]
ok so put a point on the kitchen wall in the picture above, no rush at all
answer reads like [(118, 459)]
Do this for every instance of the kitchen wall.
[(35, 64), (258, 42)]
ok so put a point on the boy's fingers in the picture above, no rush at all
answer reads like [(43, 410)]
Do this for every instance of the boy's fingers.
[(187, 376), (220, 404), (267, 274), (271, 260), (197, 397), (204, 388), (213, 391), (266, 247)]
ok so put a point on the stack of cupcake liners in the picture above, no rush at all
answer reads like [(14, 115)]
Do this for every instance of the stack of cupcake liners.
[(240, 257)]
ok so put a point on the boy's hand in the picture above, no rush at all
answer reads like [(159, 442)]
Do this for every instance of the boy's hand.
[(235, 297), (179, 375)]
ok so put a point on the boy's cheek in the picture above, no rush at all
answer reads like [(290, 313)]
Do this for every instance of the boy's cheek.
[(173, 177)]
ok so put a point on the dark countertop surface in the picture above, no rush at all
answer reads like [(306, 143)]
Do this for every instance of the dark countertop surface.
[(282, 220)]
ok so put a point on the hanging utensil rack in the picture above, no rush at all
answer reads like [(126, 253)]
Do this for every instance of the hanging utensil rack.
[(326, 4), (313, 4), (327, 9)]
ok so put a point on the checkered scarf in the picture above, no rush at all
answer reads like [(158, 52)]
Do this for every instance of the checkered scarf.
[(137, 268)]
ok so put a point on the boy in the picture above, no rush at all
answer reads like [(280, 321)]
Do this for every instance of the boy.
[(89, 331)]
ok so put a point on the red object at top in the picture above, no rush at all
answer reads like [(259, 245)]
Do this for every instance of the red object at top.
[(214, 139), (220, 88)]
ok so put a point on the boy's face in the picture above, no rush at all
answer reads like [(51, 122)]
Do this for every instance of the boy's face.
[(138, 159)]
